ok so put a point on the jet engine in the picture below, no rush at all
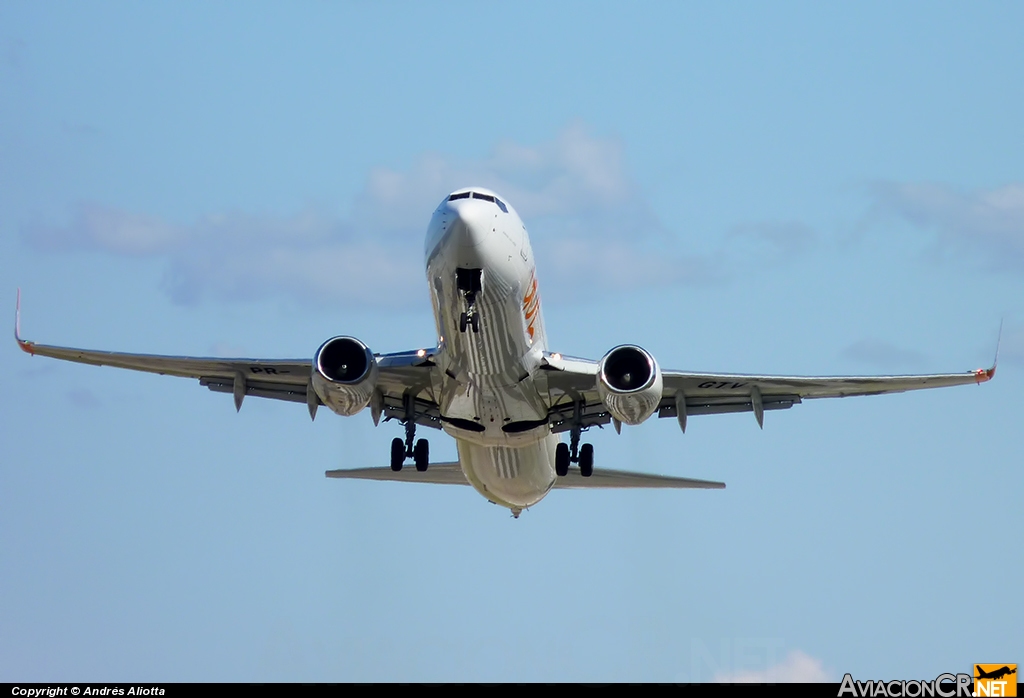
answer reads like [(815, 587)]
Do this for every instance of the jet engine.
[(629, 382), (344, 375)]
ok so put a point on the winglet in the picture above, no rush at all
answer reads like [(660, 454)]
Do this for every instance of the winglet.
[(987, 374), (25, 346)]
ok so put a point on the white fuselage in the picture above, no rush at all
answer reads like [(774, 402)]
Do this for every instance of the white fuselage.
[(494, 399)]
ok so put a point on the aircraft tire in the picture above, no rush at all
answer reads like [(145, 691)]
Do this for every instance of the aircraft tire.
[(562, 460), (421, 455), (586, 460), (475, 322), (463, 322), (397, 454)]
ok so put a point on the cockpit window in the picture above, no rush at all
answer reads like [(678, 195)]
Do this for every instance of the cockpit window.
[(477, 195)]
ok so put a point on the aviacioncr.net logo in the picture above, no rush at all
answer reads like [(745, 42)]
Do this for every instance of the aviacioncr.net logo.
[(943, 686)]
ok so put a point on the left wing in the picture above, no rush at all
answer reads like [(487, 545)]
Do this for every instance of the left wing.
[(684, 393), (286, 379), (277, 379)]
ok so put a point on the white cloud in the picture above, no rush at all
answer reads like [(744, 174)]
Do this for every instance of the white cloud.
[(620, 265), (986, 224), (103, 228), (575, 174), (243, 257), (589, 226), (797, 667)]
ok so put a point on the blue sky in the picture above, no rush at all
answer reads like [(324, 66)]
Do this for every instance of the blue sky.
[(785, 189)]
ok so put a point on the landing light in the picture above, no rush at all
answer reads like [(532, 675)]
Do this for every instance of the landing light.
[(556, 357), (421, 353)]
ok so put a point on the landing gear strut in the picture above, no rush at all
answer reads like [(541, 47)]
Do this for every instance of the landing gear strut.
[(574, 453), (468, 281), (401, 450)]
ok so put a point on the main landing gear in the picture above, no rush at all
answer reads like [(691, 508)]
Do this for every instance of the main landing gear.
[(468, 281), (574, 453), (419, 451)]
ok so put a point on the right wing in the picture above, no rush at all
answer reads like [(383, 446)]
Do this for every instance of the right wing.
[(573, 384), (451, 474)]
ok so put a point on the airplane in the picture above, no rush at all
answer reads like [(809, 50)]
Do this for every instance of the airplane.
[(995, 674), (492, 381)]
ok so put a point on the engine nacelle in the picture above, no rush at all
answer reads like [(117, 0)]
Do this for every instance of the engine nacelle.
[(629, 382), (344, 375)]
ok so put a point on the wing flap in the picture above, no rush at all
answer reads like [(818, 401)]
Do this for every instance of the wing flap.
[(274, 391), (725, 405)]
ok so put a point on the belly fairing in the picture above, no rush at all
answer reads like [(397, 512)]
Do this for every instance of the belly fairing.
[(512, 477)]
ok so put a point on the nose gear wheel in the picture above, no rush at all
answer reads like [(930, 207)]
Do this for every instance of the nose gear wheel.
[(469, 319)]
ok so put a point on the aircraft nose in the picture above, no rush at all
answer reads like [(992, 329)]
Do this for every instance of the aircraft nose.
[(471, 225)]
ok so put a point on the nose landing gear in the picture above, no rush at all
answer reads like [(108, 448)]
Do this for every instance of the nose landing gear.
[(469, 319), (469, 282)]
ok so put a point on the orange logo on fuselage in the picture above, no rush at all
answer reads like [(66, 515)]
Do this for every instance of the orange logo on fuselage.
[(531, 304)]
